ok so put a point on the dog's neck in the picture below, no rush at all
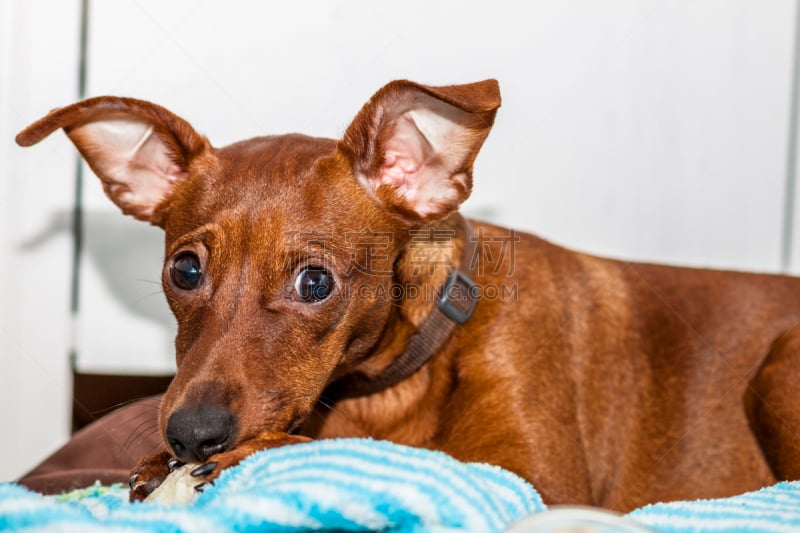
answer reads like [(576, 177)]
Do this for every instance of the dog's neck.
[(423, 267), (448, 258)]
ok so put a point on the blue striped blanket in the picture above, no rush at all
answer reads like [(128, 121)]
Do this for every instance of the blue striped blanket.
[(769, 510), (365, 485), (326, 485)]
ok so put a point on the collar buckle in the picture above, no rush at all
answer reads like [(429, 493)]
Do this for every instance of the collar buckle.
[(459, 297)]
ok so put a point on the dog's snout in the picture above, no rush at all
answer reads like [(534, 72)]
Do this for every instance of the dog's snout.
[(197, 433)]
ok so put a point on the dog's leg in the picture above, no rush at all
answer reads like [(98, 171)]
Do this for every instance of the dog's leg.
[(771, 402), (154, 469), (219, 462)]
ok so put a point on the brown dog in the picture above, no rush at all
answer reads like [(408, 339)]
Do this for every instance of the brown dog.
[(324, 288)]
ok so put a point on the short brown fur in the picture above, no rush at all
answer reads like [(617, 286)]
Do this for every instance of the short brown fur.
[(601, 382)]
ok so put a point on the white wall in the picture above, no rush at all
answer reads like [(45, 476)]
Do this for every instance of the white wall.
[(38, 55), (654, 130)]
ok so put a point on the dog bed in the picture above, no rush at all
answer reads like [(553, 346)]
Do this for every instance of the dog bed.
[(364, 485)]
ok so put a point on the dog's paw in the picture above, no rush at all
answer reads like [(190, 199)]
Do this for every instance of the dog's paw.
[(149, 474), (206, 473), (162, 478)]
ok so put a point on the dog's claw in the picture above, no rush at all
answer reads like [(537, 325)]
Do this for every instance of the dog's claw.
[(132, 480), (204, 470), (173, 464), (203, 486)]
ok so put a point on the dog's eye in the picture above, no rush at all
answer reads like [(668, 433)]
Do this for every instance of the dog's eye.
[(313, 284), (186, 272)]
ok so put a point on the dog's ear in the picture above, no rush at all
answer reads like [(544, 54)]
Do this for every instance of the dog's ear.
[(413, 147), (139, 150)]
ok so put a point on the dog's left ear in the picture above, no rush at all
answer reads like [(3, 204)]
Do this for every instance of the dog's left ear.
[(413, 146)]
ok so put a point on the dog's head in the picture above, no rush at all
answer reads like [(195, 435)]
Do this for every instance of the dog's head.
[(281, 251)]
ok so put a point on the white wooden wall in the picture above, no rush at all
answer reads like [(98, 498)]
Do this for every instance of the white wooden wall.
[(645, 129)]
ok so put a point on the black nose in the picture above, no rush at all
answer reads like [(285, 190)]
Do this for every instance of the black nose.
[(197, 433)]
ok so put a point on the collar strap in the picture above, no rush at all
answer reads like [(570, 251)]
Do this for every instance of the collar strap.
[(454, 306)]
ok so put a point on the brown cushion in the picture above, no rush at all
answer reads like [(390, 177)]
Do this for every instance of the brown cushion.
[(105, 451)]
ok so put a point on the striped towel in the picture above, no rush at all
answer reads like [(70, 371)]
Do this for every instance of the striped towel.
[(326, 485), (769, 510), (366, 485)]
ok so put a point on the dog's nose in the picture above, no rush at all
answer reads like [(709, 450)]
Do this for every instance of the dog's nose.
[(197, 433)]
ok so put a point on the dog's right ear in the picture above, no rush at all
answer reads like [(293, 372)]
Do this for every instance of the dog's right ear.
[(138, 149)]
